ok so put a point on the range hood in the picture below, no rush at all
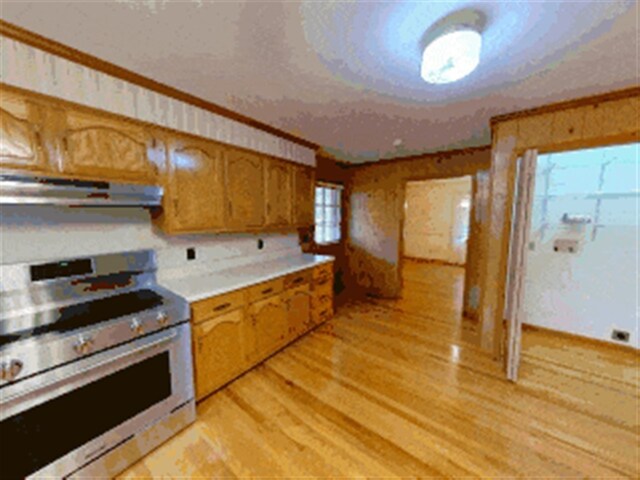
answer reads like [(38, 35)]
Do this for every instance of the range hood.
[(24, 189)]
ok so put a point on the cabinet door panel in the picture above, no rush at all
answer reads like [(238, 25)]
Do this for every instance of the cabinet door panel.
[(303, 196), (299, 310), (219, 351), (279, 187), (102, 147), (245, 190), (269, 327), (196, 190), (20, 139)]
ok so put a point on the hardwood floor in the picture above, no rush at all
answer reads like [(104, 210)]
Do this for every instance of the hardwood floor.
[(396, 389)]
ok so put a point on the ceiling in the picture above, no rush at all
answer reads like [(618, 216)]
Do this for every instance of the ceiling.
[(346, 75)]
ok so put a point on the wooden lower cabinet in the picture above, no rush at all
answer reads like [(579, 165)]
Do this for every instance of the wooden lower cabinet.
[(269, 328), (219, 351), (234, 331), (298, 302)]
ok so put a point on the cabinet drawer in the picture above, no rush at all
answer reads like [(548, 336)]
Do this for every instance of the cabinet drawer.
[(323, 271), (298, 278), (325, 282), (216, 306), (320, 302), (325, 288), (321, 316), (265, 289)]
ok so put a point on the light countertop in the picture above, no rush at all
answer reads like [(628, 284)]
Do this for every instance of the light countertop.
[(205, 285)]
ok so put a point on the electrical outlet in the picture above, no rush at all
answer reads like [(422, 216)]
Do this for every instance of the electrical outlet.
[(191, 253), (620, 336)]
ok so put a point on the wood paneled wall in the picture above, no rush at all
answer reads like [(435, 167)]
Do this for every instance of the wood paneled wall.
[(583, 123), (375, 200)]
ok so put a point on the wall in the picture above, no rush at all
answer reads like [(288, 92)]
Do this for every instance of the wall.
[(40, 233), (592, 291), (44, 233), (375, 196), (436, 220), (38, 71), (588, 122)]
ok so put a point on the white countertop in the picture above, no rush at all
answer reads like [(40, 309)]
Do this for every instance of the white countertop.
[(201, 286)]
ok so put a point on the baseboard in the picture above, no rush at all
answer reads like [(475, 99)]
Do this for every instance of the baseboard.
[(596, 342), (434, 261)]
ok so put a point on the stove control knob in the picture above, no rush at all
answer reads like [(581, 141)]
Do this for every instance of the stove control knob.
[(83, 345), (162, 318), (137, 327), (10, 370)]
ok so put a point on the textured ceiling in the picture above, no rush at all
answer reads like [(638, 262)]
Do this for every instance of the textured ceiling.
[(346, 75)]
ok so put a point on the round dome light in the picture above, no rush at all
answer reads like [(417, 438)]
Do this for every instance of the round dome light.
[(451, 56)]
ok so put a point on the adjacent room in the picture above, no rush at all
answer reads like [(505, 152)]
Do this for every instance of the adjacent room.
[(300, 239)]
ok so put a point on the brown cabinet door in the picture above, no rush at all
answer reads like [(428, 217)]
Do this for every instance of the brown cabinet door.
[(101, 147), (245, 190), (279, 188), (196, 187), (219, 351), (20, 133), (269, 327), (303, 196), (299, 310)]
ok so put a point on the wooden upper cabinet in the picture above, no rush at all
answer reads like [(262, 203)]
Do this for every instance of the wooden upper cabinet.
[(21, 141), (195, 196), (303, 196), (245, 190), (102, 147), (279, 192)]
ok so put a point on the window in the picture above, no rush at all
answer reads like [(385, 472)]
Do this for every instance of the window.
[(327, 213)]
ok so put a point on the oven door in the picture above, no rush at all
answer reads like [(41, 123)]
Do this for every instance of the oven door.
[(55, 423)]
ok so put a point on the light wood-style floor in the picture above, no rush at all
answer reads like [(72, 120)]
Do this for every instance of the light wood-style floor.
[(396, 389)]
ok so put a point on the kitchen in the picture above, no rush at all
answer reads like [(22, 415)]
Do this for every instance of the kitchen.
[(176, 274)]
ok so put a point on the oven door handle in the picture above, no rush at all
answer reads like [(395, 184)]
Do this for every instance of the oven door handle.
[(161, 341)]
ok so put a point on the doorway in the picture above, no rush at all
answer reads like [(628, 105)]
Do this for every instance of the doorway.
[(435, 235), (578, 301)]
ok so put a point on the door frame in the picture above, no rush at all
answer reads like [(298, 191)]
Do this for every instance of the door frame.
[(471, 176), (522, 206), (513, 313)]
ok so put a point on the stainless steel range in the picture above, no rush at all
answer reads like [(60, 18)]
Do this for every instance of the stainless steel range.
[(95, 365)]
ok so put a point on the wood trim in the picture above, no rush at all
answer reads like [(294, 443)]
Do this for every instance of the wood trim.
[(566, 104), (595, 342), (424, 156), (56, 48)]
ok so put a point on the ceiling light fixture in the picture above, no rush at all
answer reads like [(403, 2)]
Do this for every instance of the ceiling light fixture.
[(452, 45)]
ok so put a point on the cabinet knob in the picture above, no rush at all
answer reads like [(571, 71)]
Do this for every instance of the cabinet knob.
[(10, 370), (137, 327), (83, 345)]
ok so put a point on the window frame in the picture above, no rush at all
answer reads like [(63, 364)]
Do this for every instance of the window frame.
[(338, 188)]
